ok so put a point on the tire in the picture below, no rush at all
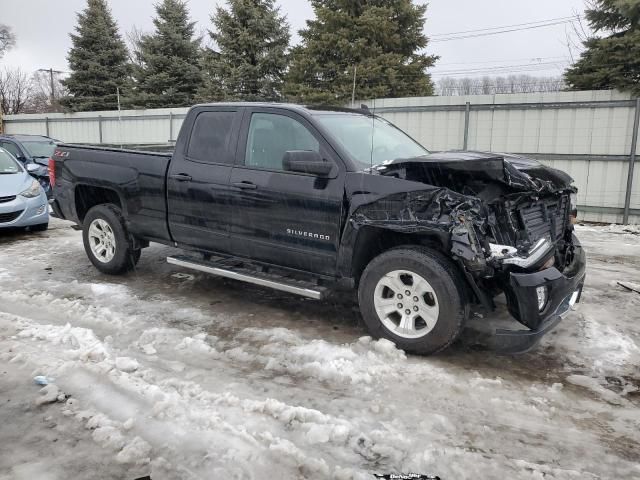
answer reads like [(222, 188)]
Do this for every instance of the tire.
[(445, 304), (122, 257), (41, 227)]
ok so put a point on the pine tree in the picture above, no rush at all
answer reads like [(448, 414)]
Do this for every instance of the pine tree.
[(98, 61), (170, 74), (613, 59), (252, 39), (377, 41)]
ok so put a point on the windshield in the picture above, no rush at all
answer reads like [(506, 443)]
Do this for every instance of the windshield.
[(7, 164), (371, 140), (39, 149)]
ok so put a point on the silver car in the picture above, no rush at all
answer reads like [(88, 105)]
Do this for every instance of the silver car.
[(23, 202)]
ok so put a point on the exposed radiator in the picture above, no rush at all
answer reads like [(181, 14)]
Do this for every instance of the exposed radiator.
[(545, 218)]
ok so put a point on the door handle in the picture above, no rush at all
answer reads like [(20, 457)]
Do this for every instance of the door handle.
[(181, 177), (246, 185)]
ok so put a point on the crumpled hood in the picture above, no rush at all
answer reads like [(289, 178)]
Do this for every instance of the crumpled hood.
[(518, 173), (13, 184)]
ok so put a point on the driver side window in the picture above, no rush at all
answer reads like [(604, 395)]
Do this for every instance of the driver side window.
[(271, 136)]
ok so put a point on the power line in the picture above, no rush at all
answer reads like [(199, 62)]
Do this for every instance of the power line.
[(502, 68), (493, 67), (533, 67), (486, 34), (524, 59), (463, 37), (375, 79), (519, 68), (571, 17)]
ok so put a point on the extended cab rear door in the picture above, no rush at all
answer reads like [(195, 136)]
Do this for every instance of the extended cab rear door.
[(282, 217), (198, 193)]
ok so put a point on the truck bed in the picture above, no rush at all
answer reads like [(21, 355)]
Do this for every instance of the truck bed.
[(137, 176)]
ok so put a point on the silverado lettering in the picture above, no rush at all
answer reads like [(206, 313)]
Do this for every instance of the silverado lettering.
[(307, 234)]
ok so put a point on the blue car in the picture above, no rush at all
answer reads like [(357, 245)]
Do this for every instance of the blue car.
[(32, 149), (23, 201)]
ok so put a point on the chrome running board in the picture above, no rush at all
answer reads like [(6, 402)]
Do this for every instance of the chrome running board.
[(275, 282)]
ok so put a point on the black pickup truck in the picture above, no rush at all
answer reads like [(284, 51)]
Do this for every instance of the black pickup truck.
[(314, 200)]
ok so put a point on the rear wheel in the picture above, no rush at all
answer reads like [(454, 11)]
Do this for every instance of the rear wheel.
[(414, 297), (107, 242)]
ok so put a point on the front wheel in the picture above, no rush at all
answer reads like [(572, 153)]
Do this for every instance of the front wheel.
[(414, 297), (107, 241)]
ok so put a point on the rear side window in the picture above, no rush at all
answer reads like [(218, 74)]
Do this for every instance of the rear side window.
[(211, 138)]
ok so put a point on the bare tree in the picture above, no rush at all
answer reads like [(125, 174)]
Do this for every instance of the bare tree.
[(7, 39), (15, 90), (42, 99), (133, 39), (449, 86), (487, 85)]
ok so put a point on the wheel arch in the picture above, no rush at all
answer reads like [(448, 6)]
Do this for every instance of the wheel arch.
[(373, 241), (87, 196)]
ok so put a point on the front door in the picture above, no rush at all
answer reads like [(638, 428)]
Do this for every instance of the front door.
[(198, 179), (282, 217)]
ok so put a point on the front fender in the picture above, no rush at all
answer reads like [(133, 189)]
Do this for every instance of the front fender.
[(407, 207)]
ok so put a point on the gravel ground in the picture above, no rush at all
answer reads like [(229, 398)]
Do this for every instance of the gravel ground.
[(178, 375)]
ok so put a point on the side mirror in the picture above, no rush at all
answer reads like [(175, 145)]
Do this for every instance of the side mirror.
[(305, 161), (32, 168)]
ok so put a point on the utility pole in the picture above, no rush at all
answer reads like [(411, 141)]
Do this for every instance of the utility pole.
[(119, 117), (52, 85), (53, 88), (632, 162), (353, 92)]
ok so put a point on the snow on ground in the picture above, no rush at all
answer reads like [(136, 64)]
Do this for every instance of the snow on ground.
[(186, 376)]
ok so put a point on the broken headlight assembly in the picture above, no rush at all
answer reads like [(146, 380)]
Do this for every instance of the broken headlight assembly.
[(573, 212), (510, 255)]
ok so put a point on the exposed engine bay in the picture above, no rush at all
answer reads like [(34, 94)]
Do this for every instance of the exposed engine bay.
[(522, 201)]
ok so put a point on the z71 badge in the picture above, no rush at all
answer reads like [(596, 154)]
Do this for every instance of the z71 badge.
[(315, 236)]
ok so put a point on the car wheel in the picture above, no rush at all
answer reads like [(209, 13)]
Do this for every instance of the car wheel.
[(42, 227), (414, 297), (107, 241)]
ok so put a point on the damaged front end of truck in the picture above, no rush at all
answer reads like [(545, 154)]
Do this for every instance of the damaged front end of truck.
[(506, 220)]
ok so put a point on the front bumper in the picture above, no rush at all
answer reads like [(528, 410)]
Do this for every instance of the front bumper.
[(563, 291), (24, 212)]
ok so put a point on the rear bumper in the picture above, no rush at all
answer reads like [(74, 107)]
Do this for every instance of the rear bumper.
[(55, 209), (564, 290)]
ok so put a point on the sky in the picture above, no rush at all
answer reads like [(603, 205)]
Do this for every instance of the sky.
[(43, 26)]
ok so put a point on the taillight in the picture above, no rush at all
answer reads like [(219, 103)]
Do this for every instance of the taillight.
[(52, 172)]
